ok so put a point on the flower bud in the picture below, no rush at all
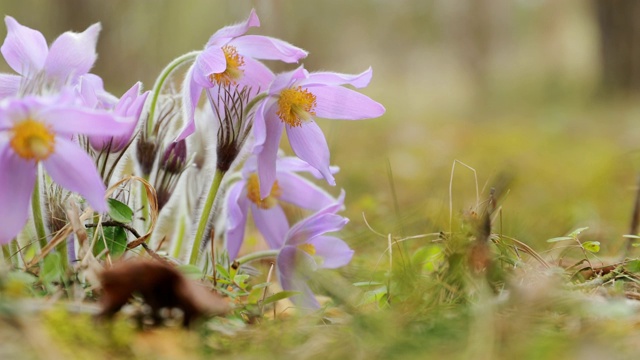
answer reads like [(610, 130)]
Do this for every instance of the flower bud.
[(174, 157)]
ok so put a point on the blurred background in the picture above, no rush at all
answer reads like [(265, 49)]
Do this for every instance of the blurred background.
[(539, 97)]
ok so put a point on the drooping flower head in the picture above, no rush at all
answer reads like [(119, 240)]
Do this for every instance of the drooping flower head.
[(295, 99), (229, 59), (267, 213), (127, 111), (307, 248), (70, 56), (39, 130)]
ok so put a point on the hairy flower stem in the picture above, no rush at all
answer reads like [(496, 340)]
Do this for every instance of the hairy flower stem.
[(36, 209), (180, 237), (258, 255), (204, 217), (254, 101), (157, 87)]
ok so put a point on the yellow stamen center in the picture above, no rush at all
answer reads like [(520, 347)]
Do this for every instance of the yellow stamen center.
[(253, 193), (32, 140), (308, 248), (233, 72), (296, 105)]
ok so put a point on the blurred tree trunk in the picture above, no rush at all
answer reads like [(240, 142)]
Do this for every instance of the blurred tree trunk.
[(619, 24)]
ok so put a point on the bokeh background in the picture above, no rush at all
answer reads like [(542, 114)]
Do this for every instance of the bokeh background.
[(537, 96)]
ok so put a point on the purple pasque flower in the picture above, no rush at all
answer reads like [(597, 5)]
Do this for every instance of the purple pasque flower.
[(127, 111), (229, 58), (39, 130), (307, 249), (294, 99), (70, 56), (268, 215)]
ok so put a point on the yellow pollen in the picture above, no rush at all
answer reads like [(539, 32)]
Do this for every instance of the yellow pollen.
[(253, 193), (308, 248), (233, 72), (296, 105), (32, 140)]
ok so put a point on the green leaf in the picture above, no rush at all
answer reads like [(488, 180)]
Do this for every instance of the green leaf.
[(261, 285), (190, 271), (633, 266), (51, 268), (241, 280), (591, 246), (560, 238), (279, 296), (222, 271), (119, 211), (367, 283), (374, 295), (116, 239), (254, 296), (577, 232)]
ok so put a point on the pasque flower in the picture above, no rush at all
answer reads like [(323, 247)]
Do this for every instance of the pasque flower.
[(268, 215), (307, 248), (229, 58), (39, 130), (70, 56), (294, 99), (127, 110)]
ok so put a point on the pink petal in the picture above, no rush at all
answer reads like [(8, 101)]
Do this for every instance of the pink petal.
[(285, 80), (267, 157), (335, 252), (210, 61), (272, 224), (268, 48), (315, 225), (73, 169), (335, 79), (222, 36), (24, 49), (302, 192), (17, 178), (9, 85), (294, 164), (257, 76), (69, 121), (336, 102), (292, 266), (73, 54), (308, 143), (190, 96), (237, 210)]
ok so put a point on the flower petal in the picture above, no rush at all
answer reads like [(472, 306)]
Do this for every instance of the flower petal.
[(309, 144), (73, 54), (257, 75), (9, 85), (222, 36), (17, 178), (295, 164), (208, 62), (24, 49), (69, 121), (301, 192), (74, 170), (334, 79), (292, 264), (268, 155), (237, 209), (334, 252), (315, 225), (191, 92), (336, 102), (268, 48), (272, 224)]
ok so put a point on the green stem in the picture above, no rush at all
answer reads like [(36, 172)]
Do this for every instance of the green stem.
[(180, 238), (14, 248), (258, 255), (157, 87), (204, 217), (6, 253), (254, 101), (36, 209)]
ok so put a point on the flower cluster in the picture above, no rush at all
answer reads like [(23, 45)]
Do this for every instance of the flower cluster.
[(54, 112)]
